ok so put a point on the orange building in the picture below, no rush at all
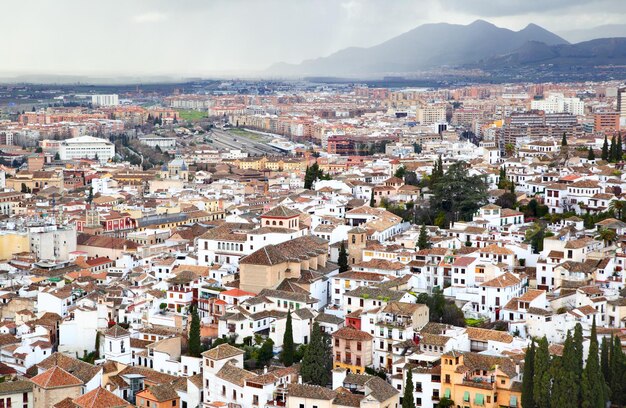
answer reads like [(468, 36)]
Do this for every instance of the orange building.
[(606, 122), (158, 396), (478, 380)]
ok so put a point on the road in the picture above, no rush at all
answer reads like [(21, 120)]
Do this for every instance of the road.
[(226, 141)]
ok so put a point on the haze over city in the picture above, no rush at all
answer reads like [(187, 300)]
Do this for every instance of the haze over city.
[(201, 38)]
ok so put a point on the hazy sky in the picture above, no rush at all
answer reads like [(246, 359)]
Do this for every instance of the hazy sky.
[(196, 37)]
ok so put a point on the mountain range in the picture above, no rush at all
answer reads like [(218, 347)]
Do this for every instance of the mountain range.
[(477, 45)]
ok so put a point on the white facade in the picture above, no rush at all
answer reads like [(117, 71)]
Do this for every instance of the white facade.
[(87, 147), (105, 100)]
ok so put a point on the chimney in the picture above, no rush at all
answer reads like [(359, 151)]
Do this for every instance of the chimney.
[(299, 379), (265, 370)]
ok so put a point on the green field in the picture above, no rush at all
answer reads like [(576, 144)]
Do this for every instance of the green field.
[(244, 133), (192, 115)]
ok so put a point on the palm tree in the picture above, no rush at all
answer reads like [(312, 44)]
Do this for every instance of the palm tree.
[(617, 206), (607, 236)]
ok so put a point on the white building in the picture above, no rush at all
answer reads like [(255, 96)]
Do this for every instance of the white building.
[(105, 100), (86, 147), (557, 103), (164, 143)]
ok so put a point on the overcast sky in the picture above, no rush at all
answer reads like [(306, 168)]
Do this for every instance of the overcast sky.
[(201, 37)]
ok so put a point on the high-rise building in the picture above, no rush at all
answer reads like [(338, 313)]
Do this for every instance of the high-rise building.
[(429, 114), (557, 103), (621, 102), (105, 100)]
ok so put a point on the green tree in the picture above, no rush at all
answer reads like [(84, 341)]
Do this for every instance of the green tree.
[(407, 397), (372, 200), (565, 382), (591, 155), (619, 154), (606, 235), (317, 359), (542, 377), (502, 180), (507, 200), (528, 400), (457, 194), (617, 206), (577, 346), (617, 373), (564, 139), (288, 354), (195, 346), (423, 241), (57, 156), (613, 150), (308, 177), (90, 196), (604, 361), (342, 260), (266, 352), (400, 172), (605, 150), (594, 392)]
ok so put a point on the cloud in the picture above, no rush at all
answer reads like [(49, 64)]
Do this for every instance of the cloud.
[(150, 17)]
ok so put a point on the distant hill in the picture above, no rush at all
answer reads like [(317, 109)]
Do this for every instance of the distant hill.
[(603, 51), (427, 46), (587, 34)]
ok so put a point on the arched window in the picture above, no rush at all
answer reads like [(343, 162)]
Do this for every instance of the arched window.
[(280, 223), (273, 222), (354, 239)]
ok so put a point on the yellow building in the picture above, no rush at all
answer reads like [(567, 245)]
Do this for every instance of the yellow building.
[(476, 380), (13, 242), (33, 181)]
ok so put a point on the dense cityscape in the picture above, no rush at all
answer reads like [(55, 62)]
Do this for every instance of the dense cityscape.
[(448, 236)]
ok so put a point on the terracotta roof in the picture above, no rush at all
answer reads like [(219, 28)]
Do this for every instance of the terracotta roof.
[(56, 377), (502, 281), (234, 374), (222, 352), (475, 333), (80, 369), (310, 392), (161, 392), (350, 333), (281, 212), (116, 331), (101, 398)]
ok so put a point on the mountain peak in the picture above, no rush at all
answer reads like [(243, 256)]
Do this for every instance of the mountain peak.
[(481, 22)]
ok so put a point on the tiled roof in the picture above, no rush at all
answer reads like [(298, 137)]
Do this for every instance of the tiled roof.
[(301, 248), (222, 352), (281, 212), (80, 369), (310, 392), (234, 374), (502, 281), (116, 331), (101, 398), (56, 377), (350, 333)]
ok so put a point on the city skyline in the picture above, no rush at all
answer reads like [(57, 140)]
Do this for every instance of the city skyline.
[(200, 38)]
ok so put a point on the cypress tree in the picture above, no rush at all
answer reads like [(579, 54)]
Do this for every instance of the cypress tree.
[(593, 387), (289, 350), (372, 201), (502, 178), (342, 260), (407, 397), (613, 150), (591, 155), (423, 241), (619, 150), (604, 361), (605, 150), (565, 384), (578, 350), (617, 373), (528, 400), (316, 359), (308, 180), (564, 140), (542, 375), (194, 346)]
